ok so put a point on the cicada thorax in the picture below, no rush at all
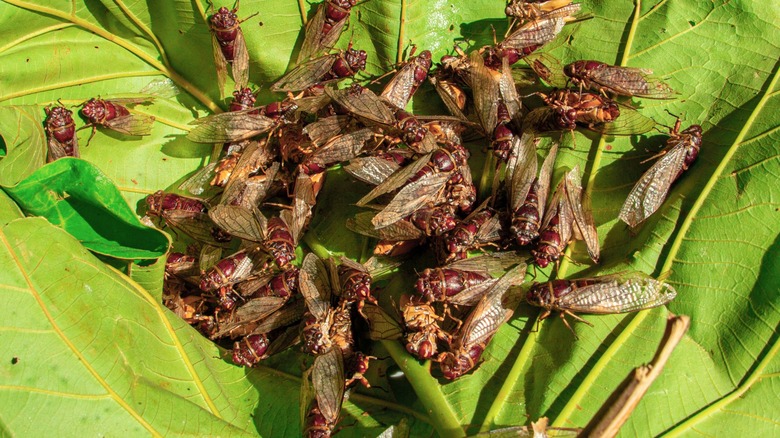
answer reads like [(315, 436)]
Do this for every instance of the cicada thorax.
[(355, 286), (243, 99), (579, 72), (545, 294), (691, 138), (527, 219), (422, 344), (100, 111), (356, 367), (463, 236), (250, 350), (412, 130), (228, 299), (280, 242), (462, 360), (550, 246), (284, 285), (224, 168), (341, 330), (61, 129), (440, 283), (226, 26), (434, 221), (160, 202), (347, 64), (593, 109), (503, 134), (315, 333), (335, 11), (422, 324), (226, 272)]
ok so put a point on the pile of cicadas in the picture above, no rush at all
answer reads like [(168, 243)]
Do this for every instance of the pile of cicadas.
[(240, 283)]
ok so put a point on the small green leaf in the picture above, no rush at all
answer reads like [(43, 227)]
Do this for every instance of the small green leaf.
[(77, 196)]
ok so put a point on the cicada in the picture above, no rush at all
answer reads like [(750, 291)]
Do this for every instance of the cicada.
[(61, 133), (623, 81), (189, 215), (422, 325), (321, 398), (115, 116), (619, 293), (325, 27), (566, 219), (318, 71), (527, 193), (229, 47), (526, 10), (493, 309), (410, 76), (240, 125), (480, 228), (650, 191)]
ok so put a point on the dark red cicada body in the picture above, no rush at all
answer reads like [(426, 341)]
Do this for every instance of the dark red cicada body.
[(243, 99), (280, 242), (344, 64), (650, 191), (177, 264), (324, 327), (355, 283), (527, 194), (404, 84), (250, 350), (492, 310), (623, 81), (229, 47), (282, 285), (61, 133), (325, 27), (478, 229), (113, 115), (357, 366), (228, 271), (566, 219), (619, 293), (189, 215)]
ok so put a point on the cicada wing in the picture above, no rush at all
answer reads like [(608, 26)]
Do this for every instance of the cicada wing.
[(545, 176), (297, 217), (490, 231), (396, 180), (209, 256), (289, 337), (411, 198), (343, 147), (371, 170), (251, 191), (471, 295), (494, 264), (199, 181), (554, 205), (328, 380), (509, 95), (398, 90), (249, 224), (196, 225), (521, 169), (381, 326), (617, 294), (379, 267), (250, 312), (285, 316), (650, 191), (321, 131), (541, 120), (314, 284), (221, 64), (132, 124), (548, 68), (486, 90), (629, 81), (453, 97), (534, 33), (401, 230), (305, 75), (583, 224), (363, 104), (57, 150), (240, 64), (229, 127), (630, 122), (315, 40)]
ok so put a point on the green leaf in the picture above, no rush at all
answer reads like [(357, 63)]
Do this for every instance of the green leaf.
[(77, 196), (717, 233)]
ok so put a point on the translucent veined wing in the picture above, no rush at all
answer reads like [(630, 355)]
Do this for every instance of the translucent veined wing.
[(396, 180), (617, 294), (306, 75)]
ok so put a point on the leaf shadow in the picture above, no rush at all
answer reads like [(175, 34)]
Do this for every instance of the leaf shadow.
[(481, 32), (180, 147)]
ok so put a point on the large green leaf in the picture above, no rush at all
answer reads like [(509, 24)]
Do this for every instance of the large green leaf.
[(717, 234)]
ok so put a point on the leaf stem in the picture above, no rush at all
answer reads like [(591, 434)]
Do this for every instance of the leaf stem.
[(144, 29), (399, 57), (513, 377)]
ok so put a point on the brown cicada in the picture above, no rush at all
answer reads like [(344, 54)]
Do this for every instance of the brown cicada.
[(623, 81), (422, 325), (480, 228), (410, 76), (650, 191), (189, 215), (235, 126), (493, 309), (619, 293), (61, 133), (321, 398), (113, 115), (325, 27), (528, 193), (566, 219), (526, 10), (318, 71), (229, 47)]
